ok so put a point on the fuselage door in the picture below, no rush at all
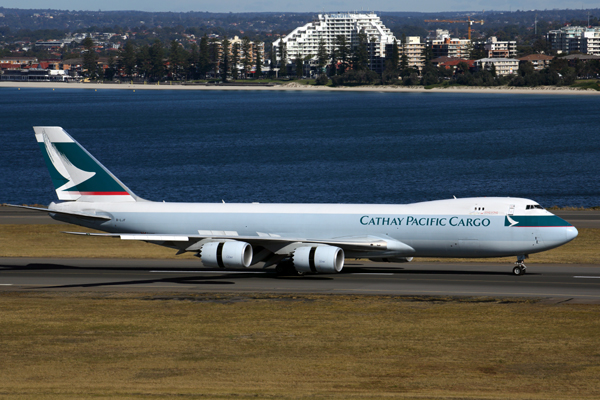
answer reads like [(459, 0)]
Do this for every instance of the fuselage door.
[(511, 209)]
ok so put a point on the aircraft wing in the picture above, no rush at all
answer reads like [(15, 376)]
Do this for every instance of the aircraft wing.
[(277, 245)]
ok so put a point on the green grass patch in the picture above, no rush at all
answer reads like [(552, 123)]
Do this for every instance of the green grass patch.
[(117, 346), (587, 84)]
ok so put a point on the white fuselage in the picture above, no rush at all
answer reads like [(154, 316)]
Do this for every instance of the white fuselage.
[(469, 227)]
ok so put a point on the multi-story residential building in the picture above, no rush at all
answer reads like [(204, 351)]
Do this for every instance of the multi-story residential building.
[(539, 61), (590, 43), (503, 66), (500, 49), (451, 47), (415, 51), (304, 41), (575, 38)]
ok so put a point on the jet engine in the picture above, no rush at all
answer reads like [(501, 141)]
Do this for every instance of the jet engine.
[(230, 254), (324, 259)]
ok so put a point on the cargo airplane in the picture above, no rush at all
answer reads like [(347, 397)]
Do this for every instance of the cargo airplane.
[(295, 238)]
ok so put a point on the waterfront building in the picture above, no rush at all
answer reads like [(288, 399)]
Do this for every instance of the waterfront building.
[(35, 75), (575, 38), (590, 43), (304, 41), (415, 52), (539, 61), (503, 66), (451, 47), (500, 49)]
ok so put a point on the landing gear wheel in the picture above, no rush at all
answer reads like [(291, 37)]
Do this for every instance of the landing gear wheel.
[(519, 270), (286, 268)]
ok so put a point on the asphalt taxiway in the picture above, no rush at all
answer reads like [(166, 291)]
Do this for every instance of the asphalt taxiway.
[(551, 282)]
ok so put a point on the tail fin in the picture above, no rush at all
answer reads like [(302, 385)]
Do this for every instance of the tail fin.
[(75, 173)]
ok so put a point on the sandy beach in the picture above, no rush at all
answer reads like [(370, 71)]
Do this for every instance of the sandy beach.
[(295, 86)]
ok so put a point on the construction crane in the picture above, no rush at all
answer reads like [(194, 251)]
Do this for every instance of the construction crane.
[(453, 21)]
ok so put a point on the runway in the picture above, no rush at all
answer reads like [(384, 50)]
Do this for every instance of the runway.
[(552, 283)]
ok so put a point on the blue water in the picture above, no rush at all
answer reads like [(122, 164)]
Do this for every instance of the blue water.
[(354, 147)]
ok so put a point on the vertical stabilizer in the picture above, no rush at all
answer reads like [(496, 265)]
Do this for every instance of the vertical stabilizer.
[(75, 173)]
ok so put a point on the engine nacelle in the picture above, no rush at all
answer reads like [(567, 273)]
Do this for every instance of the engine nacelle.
[(324, 259), (231, 254), (392, 259)]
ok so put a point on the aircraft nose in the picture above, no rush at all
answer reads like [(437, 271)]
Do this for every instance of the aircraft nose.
[(571, 233)]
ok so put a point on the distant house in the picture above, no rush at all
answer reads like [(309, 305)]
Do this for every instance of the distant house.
[(539, 61), (451, 63), (19, 62)]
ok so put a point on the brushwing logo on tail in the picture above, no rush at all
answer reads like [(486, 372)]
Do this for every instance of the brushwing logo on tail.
[(64, 167)]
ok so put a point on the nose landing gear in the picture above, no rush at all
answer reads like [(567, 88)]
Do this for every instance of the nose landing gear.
[(520, 268)]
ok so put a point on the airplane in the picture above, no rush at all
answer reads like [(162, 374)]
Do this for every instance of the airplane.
[(295, 238)]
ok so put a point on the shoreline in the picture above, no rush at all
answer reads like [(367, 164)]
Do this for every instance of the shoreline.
[(551, 90)]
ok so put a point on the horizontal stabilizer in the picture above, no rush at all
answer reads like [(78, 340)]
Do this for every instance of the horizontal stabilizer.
[(69, 213)]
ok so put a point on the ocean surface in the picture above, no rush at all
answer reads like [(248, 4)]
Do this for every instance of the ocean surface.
[(356, 147)]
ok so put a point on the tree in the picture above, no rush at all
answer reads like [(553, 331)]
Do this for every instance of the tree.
[(299, 66), (204, 64), (258, 71), (235, 60), (143, 61), (247, 52), (176, 60), (322, 56), (214, 57), (273, 59), (90, 58), (395, 57), (157, 60), (226, 44), (343, 53), (361, 55), (110, 72), (128, 58), (283, 59), (193, 62)]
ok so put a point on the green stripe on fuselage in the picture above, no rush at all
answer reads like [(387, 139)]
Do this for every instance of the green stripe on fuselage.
[(536, 220)]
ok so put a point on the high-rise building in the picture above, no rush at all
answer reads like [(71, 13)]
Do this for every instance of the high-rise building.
[(304, 41)]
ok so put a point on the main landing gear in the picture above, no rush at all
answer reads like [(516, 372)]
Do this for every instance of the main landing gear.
[(520, 268)]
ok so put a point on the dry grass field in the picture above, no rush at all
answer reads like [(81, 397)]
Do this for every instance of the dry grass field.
[(48, 241), (195, 346)]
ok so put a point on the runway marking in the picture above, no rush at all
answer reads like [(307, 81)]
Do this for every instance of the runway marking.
[(369, 273), (587, 277), (463, 293), (6, 284), (210, 272)]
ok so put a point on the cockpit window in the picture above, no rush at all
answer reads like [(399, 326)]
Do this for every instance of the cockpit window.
[(534, 207)]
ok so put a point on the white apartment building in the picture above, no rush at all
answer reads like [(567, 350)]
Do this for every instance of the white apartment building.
[(590, 43), (504, 66), (304, 41), (415, 51), (499, 49), (575, 38)]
